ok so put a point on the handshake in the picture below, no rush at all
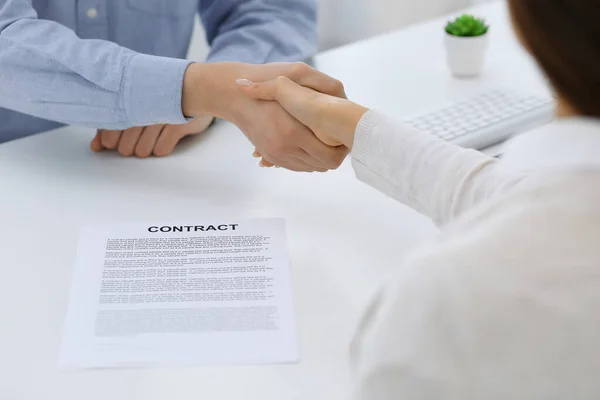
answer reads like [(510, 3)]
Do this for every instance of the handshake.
[(296, 117)]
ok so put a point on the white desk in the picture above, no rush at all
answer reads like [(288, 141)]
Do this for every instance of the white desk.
[(405, 72), (344, 237)]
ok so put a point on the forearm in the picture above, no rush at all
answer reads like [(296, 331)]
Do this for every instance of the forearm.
[(48, 72), (432, 176), (260, 31), (208, 90)]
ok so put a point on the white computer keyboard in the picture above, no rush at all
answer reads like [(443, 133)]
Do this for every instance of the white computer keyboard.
[(486, 119)]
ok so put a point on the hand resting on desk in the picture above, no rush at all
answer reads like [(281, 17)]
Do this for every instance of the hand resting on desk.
[(158, 140)]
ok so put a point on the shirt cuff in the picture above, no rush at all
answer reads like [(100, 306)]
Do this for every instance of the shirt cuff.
[(153, 89)]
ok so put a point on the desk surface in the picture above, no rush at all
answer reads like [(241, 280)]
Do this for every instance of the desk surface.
[(344, 237)]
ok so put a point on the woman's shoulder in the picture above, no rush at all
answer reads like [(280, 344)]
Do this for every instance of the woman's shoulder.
[(508, 294), (552, 219)]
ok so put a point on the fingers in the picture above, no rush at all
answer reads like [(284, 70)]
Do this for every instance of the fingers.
[(306, 163), (265, 163), (280, 89), (323, 155), (110, 139), (96, 143), (300, 73), (314, 152), (158, 140), (300, 166), (306, 76), (287, 147), (138, 140), (336, 155), (259, 90), (288, 162), (262, 162), (281, 139), (298, 101), (147, 141), (199, 125), (129, 140), (168, 139), (300, 162), (294, 164), (171, 135)]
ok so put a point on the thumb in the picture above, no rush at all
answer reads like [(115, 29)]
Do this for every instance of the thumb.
[(258, 90), (96, 144), (300, 102)]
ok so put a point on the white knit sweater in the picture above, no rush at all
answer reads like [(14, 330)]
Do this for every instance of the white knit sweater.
[(505, 302)]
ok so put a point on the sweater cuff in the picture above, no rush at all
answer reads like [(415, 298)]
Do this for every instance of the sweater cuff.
[(153, 89), (362, 136)]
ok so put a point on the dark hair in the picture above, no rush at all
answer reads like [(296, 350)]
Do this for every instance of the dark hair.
[(564, 37)]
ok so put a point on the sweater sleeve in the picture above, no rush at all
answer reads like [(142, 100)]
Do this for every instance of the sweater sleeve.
[(430, 175)]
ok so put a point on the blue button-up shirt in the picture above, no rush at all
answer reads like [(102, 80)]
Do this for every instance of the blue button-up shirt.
[(120, 63)]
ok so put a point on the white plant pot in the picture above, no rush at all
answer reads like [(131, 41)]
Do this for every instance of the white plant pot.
[(466, 55)]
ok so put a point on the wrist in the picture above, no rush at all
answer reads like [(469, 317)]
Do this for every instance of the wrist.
[(210, 89), (191, 101), (347, 115)]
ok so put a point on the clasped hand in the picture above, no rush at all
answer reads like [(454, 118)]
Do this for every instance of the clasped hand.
[(279, 137), (333, 120), (295, 116)]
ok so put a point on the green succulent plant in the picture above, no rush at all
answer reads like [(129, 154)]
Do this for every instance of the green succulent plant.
[(467, 26)]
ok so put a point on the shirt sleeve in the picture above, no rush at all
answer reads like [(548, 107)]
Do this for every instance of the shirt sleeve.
[(48, 72), (432, 176), (260, 31)]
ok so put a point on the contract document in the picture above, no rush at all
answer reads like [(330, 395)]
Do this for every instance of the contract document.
[(182, 293)]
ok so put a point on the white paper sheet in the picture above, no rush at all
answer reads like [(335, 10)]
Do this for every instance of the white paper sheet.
[(192, 293)]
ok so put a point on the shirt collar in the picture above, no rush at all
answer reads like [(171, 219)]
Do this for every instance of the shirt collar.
[(563, 144)]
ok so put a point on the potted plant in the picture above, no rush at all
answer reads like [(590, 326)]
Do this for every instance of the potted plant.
[(466, 44)]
